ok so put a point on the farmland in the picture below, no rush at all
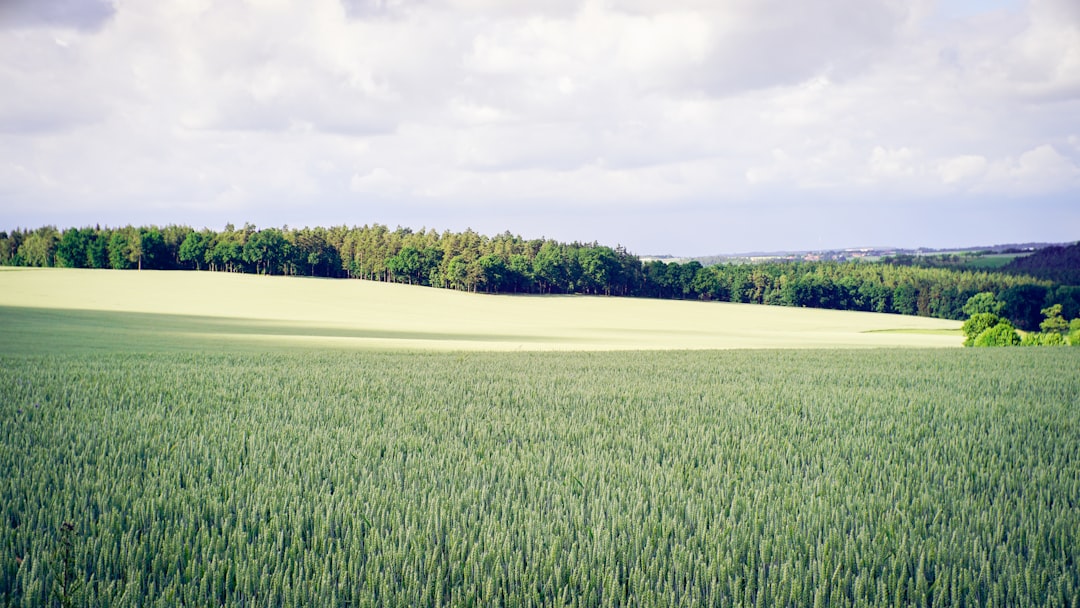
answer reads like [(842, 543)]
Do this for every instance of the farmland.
[(203, 465), (46, 310), (394, 478)]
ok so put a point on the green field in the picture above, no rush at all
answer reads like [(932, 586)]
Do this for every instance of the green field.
[(203, 457), (991, 261)]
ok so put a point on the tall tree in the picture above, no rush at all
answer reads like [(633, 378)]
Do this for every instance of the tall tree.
[(266, 250), (39, 247), (120, 250), (193, 249), (71, 251)]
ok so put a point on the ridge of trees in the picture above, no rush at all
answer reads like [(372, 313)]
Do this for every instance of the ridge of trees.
[(1058, 263), (507, 263)]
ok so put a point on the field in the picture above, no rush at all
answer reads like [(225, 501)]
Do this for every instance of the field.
[(261, 470), (45, 310), (991, 261)]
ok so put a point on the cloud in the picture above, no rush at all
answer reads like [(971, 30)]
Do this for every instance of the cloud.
[(357, 109), (1036, 171), (889, 163), (378, 182), (961, 168)]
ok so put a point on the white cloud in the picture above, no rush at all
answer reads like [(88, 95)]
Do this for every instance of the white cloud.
[(961, 168), (279, 109), (1036, 171), (378, 181), (892, 163)]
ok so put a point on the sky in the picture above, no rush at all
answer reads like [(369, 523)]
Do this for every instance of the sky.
[(680, 127)]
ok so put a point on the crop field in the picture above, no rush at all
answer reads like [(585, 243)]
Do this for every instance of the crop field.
[(50, 310), (256, 442), (709, 478), (992, 261)]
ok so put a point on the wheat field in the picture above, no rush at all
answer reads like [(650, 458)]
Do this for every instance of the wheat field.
[(43, 309)]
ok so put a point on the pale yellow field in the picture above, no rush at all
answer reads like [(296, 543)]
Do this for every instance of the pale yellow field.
[(222, 308)]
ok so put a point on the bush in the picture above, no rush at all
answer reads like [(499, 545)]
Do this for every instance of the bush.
[(1002, 334), (1053, 338), (977, 324)]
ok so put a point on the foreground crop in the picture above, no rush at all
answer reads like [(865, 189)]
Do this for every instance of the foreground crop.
[(731, 478)]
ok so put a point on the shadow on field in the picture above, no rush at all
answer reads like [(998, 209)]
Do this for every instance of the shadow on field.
[(45, 330)]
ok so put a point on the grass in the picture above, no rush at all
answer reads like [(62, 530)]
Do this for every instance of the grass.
[(237, 440), (46, 310), (925, 332), (991, 261), (945, 477)]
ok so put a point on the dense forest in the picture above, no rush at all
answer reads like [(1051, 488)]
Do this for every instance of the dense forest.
[(510, 264), (1058, 263)]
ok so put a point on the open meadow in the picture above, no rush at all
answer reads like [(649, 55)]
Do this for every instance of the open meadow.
[(161, 310), (200, 439)]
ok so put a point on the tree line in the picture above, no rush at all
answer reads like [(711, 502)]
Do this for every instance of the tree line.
[(1059, 263), (507, 263)]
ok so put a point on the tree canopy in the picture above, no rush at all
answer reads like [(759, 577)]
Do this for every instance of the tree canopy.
[(507, 263)]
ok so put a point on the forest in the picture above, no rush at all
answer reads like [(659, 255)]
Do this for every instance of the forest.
[(506, 263)]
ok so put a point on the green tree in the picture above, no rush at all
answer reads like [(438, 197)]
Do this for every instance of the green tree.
[(1054, 322), (119, 250), (492, 272), (1023, 303), (8, 247), (135, 246), (1002, 334), (550, 268), (71, 250), (519, 273), (905, 299), (225, 255), (708, 286), (266, 250), (193, 249), (405, 266), (600, 269), (97, 249), (174, 237), (977, 324), (312, 248), (39, 247), (983, 302), (153, 253), (457, 273)]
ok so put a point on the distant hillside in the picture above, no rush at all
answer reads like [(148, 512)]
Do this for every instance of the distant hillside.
[(1059, 263), (76, 310)]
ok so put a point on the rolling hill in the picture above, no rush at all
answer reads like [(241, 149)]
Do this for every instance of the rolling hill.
[(44, 310)]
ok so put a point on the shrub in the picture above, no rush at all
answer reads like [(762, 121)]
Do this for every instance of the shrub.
[(1002, 334), (1053, 338), (977, 324)]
